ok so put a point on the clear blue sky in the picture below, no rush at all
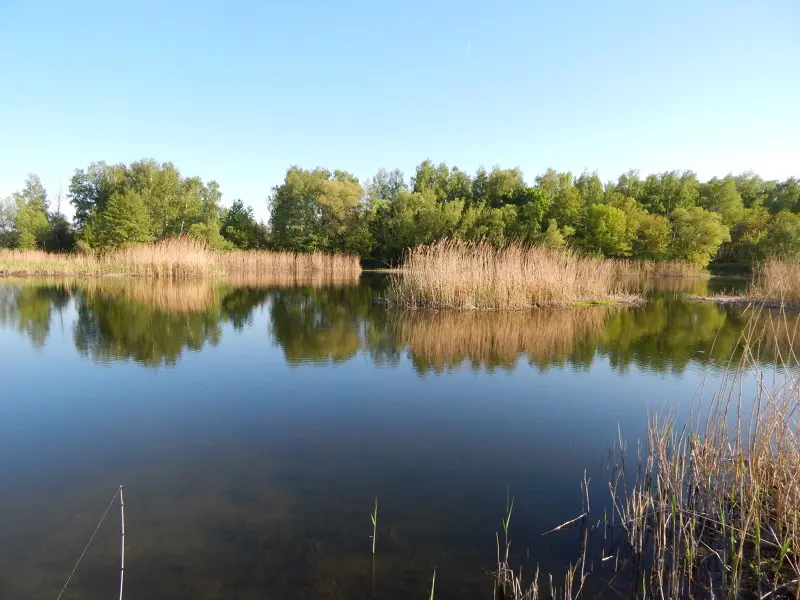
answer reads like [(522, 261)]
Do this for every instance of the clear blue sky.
[(238, 91)]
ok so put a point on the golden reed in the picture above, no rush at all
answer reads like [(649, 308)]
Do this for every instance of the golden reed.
[(479, 276), (175, 258)]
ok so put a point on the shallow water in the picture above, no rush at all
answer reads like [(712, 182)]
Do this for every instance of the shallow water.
[(253, 424)]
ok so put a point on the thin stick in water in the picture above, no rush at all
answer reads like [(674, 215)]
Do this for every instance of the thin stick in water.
[(122, 554)]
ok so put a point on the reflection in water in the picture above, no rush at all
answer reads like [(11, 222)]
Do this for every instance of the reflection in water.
[(441, 340), (251, 480), (154, 322), (30, 309)]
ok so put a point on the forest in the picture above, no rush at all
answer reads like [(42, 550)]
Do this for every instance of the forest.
[(738, 219)]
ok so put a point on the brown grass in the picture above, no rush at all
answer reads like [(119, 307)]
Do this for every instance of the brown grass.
[(459, 275), (777, 280), (176, 258), (659, 268)]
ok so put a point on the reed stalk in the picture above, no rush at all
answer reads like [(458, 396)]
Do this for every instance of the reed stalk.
[(374, 518), (175, 258), (467, 276)]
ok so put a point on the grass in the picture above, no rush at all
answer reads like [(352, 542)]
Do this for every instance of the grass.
[(176, 258), (466, 276), (711, 508), (659, 268)]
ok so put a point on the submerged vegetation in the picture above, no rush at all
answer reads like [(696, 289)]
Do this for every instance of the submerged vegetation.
[(174, 258), (459, 275)]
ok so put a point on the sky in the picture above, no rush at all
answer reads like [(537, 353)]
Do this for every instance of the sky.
[(239, 91)]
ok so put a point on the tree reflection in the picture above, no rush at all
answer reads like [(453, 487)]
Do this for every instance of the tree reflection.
[(155, 322), (29, 309), (320, 325)]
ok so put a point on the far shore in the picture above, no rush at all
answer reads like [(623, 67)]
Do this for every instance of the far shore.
[(749, 300)]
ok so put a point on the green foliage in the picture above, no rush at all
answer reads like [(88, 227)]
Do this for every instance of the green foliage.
[(553, 237), (721, 196), (608, 231), (783, 236), (738, 218), (125, 221), (30, 219), (315, 210), (698, 235), (241, 230), (166, 204), (8, 220)]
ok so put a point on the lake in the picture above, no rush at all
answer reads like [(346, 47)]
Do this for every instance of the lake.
[(253, 425)]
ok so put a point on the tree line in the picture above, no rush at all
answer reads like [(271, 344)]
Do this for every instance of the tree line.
[(670, 215)]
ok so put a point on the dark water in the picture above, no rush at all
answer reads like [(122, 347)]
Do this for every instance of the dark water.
[(253, 425)]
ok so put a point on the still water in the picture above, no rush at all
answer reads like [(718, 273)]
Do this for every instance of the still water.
[(252, 426)]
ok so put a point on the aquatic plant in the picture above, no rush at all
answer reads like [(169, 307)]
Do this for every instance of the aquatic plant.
[(173, 258), (777, 280), (374, 519), (479, 276), (712, 508)]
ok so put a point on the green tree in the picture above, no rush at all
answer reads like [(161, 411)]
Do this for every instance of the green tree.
[(552, 237), (698, 234), (783, 236), (240, 228), (721, 196), (785, 196), (8, 220), (31, 222), (748, 234), (125, 221), (175, 205), (316, 210), (607, 231), (665, 192)]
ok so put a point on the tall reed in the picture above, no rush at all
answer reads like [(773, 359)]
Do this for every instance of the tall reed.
[(175, 258), (711, 509), (716, 506), (778, 280), (460, 275)]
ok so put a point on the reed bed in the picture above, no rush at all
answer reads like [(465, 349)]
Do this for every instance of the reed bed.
[(250, 263), (177, 258), (445, 339), (466, 276), (658, 268), (707, 509), (778, 280)]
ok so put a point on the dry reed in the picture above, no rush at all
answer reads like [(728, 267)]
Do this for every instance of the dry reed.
[(176, 258), (459, 275), (713, 507), (777, 280)]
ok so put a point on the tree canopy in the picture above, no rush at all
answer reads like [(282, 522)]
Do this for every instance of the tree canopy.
[(671, 215)]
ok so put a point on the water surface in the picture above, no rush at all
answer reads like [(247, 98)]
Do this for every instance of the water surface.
[(253, 424)]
